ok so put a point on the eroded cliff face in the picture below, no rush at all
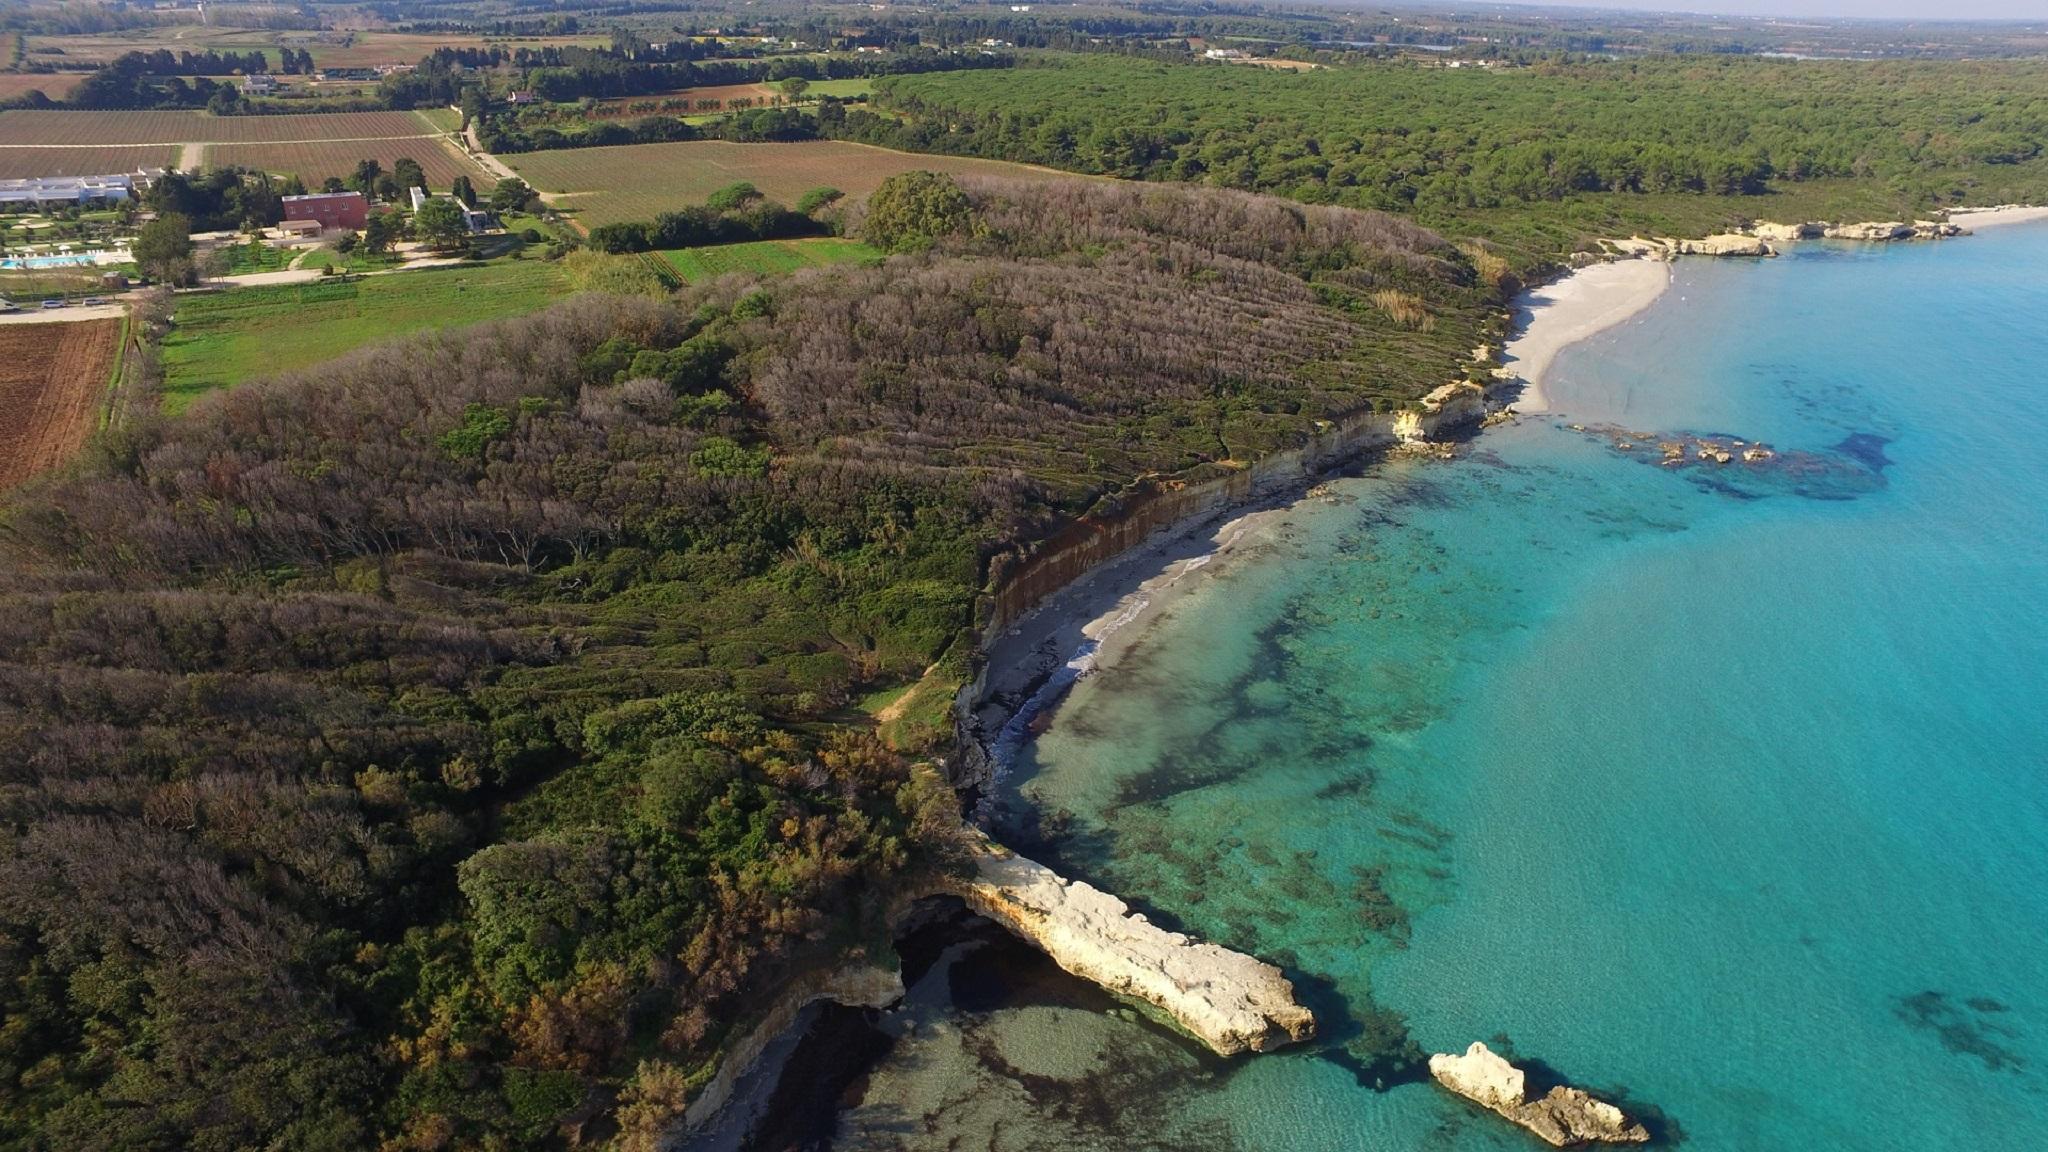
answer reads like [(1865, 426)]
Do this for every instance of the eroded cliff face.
[(1020, 582), (1232, 1002), (858, 985)]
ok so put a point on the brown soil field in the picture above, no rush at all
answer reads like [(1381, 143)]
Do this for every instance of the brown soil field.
[(53, 378), (55, 85), (21, 163), (635, 181)]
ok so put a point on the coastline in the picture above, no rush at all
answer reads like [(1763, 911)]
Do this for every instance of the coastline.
[(1999, 217), (1585, 303), (1085, 626), (1089, 622)]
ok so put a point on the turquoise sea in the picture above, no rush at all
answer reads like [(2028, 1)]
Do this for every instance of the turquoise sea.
[(1722, 789)]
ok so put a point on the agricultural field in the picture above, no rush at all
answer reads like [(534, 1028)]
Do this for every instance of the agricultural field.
[(43, 126), (53, 378), (222, 339), (55, 85), (337, 49), (768, 257), (314, 145), (20, 163), (636, 181), (315, 162)]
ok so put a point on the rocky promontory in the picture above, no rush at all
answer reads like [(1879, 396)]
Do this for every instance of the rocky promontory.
[(1231, 1002), (1562, 1117)]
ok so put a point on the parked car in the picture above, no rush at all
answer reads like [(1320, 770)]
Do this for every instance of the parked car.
[(94, 301), (53, 303)]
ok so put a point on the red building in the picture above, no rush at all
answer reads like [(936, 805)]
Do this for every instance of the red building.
[(329, 209)]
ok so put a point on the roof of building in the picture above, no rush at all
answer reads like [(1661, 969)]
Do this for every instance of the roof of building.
[(67, 183), (323, 196)]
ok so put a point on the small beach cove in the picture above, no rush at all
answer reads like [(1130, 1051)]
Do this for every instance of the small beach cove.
[(1367, 736)]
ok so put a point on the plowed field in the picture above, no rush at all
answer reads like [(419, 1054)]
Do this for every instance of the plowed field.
[(52, 379)]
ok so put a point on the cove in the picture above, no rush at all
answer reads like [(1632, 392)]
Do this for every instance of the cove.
[(1721, 790)]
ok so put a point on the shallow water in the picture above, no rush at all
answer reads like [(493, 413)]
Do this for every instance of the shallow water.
[(1722, 789)]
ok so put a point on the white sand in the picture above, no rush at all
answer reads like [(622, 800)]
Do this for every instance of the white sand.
[(1975, 218), (1552, 318)]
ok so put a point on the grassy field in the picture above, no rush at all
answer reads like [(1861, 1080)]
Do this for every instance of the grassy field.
[(440, 119), (636, 181), (844, 89), (766, 256), (222, 339)]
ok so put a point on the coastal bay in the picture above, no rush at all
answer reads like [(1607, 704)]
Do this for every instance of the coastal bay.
[(1348, 730)]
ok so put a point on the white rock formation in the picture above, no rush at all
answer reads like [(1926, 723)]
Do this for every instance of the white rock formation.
[(1230, 1001), (1562, 1118), (1725, 244), (1785, 233)]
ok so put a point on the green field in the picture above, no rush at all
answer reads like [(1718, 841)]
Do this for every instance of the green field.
[(843, 89), (440, 119), (636, 181), (222, 339), (766, 256)]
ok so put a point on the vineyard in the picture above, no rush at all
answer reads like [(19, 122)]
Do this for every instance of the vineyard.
[(317, 161), (42, 126), (20, 163), (636, 181)]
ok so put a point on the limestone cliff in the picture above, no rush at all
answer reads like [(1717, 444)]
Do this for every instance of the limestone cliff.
[(1231, 1002), (1561, 1118)]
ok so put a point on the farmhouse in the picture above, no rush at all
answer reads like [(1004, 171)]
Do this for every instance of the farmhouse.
[(329, 209), (259, 84), (42, 191)]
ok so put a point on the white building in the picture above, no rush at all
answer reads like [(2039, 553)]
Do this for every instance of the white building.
[(43, 191)]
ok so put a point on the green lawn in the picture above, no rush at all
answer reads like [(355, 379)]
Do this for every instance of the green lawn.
[(222, 339), (766, 256), (440, 119), (840, 88)]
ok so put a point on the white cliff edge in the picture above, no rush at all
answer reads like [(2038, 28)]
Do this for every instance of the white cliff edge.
[(1231, 1002), (1562, 1118)]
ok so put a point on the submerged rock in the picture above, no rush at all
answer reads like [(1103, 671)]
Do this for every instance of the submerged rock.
[(1562, 1117)]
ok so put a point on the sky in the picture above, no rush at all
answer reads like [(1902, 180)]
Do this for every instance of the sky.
[(1869, 9)]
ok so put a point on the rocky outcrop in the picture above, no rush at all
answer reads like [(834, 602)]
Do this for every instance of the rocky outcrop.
[(1787, 233), (1231, 1002), (860, 985), (1563, 1117), (1725, 244), (1721, 244)]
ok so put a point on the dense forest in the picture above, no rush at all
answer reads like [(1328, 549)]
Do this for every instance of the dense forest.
[(454, 745), (1734, 135)]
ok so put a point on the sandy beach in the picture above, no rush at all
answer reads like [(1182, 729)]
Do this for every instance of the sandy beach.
[(1553, 317), (1086, 625), (1976, 218)]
